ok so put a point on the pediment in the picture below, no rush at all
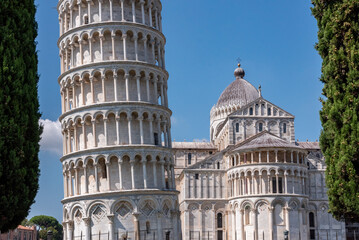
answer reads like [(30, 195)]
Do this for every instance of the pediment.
[(260, 108)]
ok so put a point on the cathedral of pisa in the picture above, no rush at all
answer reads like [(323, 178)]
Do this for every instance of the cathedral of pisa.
[(123, 176)]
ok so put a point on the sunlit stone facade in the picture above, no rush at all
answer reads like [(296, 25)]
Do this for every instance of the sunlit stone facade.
[(253, 181), (123, 179), (119, 180)]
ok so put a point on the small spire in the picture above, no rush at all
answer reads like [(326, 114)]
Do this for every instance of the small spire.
[(260, 90)]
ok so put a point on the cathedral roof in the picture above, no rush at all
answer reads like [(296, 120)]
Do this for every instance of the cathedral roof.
[(239, 92), (309, 145), (265, 140), (193, 145)]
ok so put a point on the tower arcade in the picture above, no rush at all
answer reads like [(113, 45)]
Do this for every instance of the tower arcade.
[(117, 162)]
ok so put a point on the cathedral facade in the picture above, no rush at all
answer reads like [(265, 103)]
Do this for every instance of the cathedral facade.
[(252, 181), (123, 176)]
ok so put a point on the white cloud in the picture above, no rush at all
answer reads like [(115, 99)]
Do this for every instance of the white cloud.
[(173, 120), (51, 138)]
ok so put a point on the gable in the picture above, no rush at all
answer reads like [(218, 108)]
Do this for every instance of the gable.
[(260, 107)]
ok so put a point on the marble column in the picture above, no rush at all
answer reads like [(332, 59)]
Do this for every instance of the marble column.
[(287, 222), (108, 176), (163, 182), (111, 229), (129, 123), (255, 223), (122, 11), (136, 224), (151, 130), (144, 163), (159, 226), (142, 2), (115, 79), (127, 78), (70, 230), (120, 161), (113, 46), (271, 209), (65, 183), (132, 162), (154, 162), (124, 37), (138, 83), (64, 227), (86, 179), (87, 222), (96, 178)]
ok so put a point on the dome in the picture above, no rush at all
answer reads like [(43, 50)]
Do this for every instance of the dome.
[(240, 92)]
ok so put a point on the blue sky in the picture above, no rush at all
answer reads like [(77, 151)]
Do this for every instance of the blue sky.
[(274, 39)]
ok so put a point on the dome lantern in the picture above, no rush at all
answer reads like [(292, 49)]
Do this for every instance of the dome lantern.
[(239, 72)]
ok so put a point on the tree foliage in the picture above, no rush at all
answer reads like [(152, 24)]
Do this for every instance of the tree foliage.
[(19, 111), (26, 223), (338, 22), (46, 223)]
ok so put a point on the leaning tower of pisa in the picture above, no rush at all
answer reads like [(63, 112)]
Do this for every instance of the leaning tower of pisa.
[(117, 163)]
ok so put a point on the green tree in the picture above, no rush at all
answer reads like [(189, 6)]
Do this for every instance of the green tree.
[(19, 111), (338, 45), (46, 223), (26, 223)]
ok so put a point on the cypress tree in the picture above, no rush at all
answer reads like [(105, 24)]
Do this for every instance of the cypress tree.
[(338, 45), (19, 111)]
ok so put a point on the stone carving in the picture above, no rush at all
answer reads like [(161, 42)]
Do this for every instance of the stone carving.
[(124, 209), (147, 209), (98, 213)]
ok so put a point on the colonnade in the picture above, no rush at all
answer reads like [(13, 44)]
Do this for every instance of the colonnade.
[(78, 13), (114, 231), (156, 173), (267, 182), (204, 185), (122, 129), (112, 88), (267, 156), (124, 46), (247, 215)]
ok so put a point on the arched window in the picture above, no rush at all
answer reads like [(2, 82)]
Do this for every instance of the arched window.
[(219, 220), (189, 158), (311, 219), (218, 165), (312, 226), (284, 128), (247, 215), (260, 127), (155, 136), (103, 168), (168, 234), (251, 111), (233, 162), (86, 19), (237, 127), (269, 111)]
